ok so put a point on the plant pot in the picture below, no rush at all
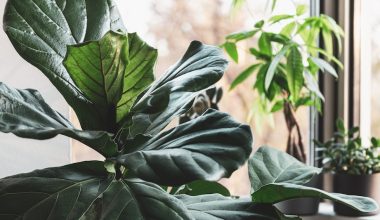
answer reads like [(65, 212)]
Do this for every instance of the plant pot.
[(304, 206), (360, 185)]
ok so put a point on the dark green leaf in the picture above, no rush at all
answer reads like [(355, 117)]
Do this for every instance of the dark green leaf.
[(269, 165), (295, 69), (259, 54), (232, 51), (353, 131), (244, 75), (209, 147), (324, 66), (41, 30), (84, 191), (375, 142), (273, 66), (276, 176), (260, 79), (265, 45), (168, 97), (278, 38), (259, 24), (25, 114), (201, 187), (277, 192), (216, 207)]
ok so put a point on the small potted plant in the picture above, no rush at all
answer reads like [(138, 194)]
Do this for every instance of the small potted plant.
[(356, 167)]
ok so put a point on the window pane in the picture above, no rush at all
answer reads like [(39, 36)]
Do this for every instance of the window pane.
[(373, 16)]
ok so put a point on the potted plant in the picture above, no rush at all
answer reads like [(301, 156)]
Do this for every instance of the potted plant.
[(106, 75), (287, 63), (355, 167)]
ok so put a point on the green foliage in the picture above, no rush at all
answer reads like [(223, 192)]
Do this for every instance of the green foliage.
[(215, 207), (200, 187), (289, 77), (41, 30), (345, 153), (288, 63), (106, 75), (276, 176)]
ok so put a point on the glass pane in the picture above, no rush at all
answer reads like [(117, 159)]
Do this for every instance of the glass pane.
[(373, 16)]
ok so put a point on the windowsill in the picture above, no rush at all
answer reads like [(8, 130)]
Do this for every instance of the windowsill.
[(326, 212)]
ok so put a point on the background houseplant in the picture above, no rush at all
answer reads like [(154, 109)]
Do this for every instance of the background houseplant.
[(106, 75), (287, 63), (356, 168)]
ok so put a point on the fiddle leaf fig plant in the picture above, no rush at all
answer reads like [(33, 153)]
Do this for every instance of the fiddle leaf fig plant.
[(106, 75)]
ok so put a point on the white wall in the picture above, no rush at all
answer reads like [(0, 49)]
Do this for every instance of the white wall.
[(24, 155)]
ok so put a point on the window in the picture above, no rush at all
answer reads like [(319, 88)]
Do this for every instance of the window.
[(356, 95), (371, 73)]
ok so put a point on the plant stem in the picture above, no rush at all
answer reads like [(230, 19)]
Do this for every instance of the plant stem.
[(295, 145)]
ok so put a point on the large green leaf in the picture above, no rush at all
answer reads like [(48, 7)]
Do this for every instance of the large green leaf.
[(216, 207), (97, 67), (168, 97), (112, 72), (294, 67), (138, 74), (84, 191), (277, 192), (25, 114), (209, 147), (269, 165), (41, 30), (276, 176)]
